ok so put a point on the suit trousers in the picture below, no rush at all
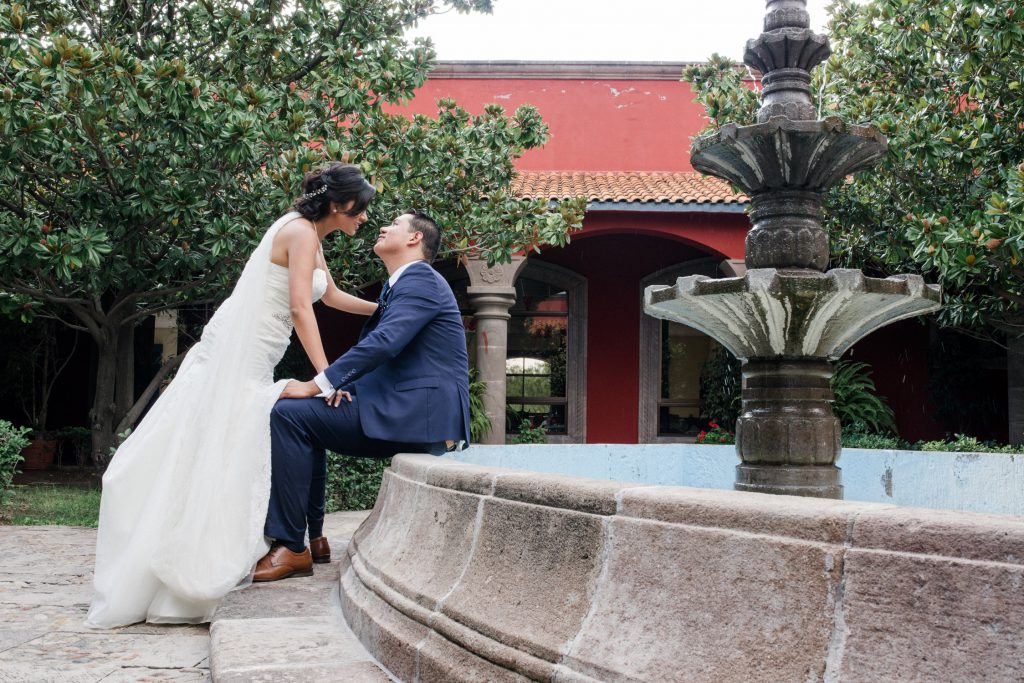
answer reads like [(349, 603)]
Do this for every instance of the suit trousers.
[(301, 431)]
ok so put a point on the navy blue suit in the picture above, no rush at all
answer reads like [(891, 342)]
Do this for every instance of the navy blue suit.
[(409, 377)]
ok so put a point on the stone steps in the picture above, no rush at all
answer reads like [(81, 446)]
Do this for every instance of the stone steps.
[(292, 630)]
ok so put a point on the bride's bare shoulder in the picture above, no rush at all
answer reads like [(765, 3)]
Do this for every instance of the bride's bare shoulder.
[(299, 223), (297, 233), (299, 230)]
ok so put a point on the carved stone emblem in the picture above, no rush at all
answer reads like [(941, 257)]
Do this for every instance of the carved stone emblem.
[(492, 275)]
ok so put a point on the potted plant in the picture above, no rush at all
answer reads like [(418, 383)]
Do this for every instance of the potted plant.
[(40, 453)]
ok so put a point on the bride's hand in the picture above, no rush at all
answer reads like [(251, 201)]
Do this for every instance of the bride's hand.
[(296, 389), (336, 398)]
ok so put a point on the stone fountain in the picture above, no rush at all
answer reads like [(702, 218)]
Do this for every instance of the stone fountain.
[(788, 319), (470, 572)]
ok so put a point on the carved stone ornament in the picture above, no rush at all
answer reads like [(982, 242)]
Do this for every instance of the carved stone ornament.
[(492, 275)]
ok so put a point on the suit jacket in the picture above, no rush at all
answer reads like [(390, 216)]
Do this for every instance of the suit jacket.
[(410, 370)]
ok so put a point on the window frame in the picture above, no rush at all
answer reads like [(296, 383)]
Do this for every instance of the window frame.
[(575, 287), (650, 349)]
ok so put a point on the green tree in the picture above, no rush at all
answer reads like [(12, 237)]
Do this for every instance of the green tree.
[(145, 146), (943, 80)]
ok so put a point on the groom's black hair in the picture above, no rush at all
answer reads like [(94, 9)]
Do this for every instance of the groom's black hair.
[(426, 225)]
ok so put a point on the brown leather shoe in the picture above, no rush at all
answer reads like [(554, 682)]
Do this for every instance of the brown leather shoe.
[(281, 563), (320, 549)]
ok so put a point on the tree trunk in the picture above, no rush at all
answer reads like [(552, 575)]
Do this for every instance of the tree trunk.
[(45, 383), (102, 414), (124, 396), (1015, 388), (115, 389)]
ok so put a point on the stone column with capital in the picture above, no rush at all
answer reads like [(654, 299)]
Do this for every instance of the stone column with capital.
[(491, 294)]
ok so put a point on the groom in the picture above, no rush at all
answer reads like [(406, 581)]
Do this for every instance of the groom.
[(403, 388)]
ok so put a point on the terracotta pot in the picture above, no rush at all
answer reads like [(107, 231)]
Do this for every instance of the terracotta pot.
[(40, 454)]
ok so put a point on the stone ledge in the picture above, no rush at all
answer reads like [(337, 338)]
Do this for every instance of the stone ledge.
[(292, 630), (478, 573), (244, 649)]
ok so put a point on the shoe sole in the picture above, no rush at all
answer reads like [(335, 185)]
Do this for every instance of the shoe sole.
[(322, 560), (293, 575)]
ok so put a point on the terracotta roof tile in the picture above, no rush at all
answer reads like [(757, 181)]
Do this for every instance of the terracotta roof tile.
[(627, 186)]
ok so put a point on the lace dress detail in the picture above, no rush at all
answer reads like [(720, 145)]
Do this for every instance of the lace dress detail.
[(185, 497)]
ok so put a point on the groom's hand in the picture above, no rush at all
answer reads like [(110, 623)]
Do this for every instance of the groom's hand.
[(296, 389)]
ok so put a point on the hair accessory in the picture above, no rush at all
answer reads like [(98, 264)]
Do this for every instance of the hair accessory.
[(310, 195)]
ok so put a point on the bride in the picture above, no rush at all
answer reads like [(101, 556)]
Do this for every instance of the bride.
[(185, 496)]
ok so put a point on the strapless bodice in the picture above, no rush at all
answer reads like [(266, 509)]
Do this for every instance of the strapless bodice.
[(277, 289)]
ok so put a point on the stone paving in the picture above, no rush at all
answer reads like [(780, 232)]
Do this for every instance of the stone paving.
[(293, 630), (289, 631)]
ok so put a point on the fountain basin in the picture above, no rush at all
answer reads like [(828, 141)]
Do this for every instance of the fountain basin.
[(786, 154), (787, 48), (469, 573), (968, 482), (772, 313)]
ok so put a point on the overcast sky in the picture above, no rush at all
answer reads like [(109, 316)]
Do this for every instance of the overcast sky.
[(605, 30)]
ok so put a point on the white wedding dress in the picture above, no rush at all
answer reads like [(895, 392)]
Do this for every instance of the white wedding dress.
[(185, 496)]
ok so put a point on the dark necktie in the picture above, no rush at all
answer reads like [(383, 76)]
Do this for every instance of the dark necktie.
[(384, 291)]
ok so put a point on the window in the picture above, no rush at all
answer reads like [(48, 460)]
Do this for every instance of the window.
[(535, 379), (671, 358), (683, 353)]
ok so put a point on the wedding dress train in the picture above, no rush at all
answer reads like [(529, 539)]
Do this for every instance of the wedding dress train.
[(185, 496)]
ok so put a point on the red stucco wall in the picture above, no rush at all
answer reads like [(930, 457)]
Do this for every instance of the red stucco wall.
[(615, 251), (898, 356), (901, 357), (595, 125), (610, 125), (714, 234)]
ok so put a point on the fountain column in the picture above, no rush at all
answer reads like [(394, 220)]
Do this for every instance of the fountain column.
[(787, 435), (788, 319)]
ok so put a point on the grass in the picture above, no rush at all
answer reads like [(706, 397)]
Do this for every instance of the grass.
[(36, 504)]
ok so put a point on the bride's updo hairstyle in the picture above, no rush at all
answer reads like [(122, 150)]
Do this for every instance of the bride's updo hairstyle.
[(335, 182)]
